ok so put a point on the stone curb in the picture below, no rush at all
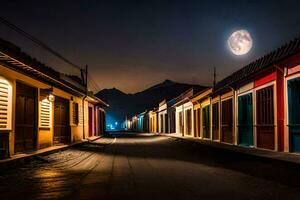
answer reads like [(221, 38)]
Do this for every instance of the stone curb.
[(263, 154)]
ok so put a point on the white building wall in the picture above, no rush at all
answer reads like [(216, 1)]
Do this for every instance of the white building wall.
[(187, 106), (178, 110)]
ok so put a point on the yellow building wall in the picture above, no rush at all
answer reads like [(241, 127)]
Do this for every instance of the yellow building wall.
[(86, 119), (44, 136), (153, 119)]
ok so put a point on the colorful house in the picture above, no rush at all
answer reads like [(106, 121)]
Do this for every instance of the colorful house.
[(264, 93), (171, 113), (257, 106), (202, 114), (143, 122), (184, 112), (153, 120), (95, 116), (39, 107), (292, 111), (163, 125)]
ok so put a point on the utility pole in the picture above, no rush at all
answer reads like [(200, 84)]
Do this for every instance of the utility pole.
[(86, 78), (215, 77)]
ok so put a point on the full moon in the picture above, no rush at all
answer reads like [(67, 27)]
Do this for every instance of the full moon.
[(240, 42)]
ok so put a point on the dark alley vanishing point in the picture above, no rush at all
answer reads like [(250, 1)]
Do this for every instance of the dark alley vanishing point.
[(147, 166)]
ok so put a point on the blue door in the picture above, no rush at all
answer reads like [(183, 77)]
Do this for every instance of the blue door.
[(294, 114), (245, 120)]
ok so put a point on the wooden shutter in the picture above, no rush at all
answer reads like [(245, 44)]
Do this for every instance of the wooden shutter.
[(5, 104), (80, 114), (45, 112), (75, 113)]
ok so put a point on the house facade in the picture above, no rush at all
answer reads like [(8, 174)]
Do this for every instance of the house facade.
[(153, 121), (39, 107), (171, 113), (202, 114), (163, 125), (184, 113), (257, 106), (263, 96)]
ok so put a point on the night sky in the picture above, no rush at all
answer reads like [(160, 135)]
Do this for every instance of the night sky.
[(132, 45)]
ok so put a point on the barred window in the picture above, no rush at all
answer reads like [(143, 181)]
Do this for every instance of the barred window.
[(75, 114)]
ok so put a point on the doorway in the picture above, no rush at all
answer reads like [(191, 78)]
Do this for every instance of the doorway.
[(62, 132), (245, 120), (265, 118), (26, 118), (294, 114)]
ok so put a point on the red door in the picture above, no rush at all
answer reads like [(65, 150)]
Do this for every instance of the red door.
[(265, 118), (90, 121)]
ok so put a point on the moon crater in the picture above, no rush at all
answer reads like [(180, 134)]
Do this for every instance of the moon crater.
[(240, 42)]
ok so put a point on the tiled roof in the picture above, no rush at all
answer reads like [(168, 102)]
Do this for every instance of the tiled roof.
[(185, 96), (275, 56), (12, 56)]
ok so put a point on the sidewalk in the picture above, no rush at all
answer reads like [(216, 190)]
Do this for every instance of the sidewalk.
[(23, 157), (263, 153)]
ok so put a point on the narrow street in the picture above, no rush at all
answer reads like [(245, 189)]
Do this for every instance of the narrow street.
[(146, 166)]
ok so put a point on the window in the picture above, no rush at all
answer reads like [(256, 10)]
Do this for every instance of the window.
[(45, 112), (5, 104), (80, 113), (75, 113)]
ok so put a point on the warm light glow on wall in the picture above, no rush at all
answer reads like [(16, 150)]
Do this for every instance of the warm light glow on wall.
[(51, 97), (5, 104), (45, 109)]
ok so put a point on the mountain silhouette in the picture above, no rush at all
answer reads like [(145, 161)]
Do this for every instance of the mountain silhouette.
[(122, 104)]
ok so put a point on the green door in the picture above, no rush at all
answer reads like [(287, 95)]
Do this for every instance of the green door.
[(294, 114), (245, 120)]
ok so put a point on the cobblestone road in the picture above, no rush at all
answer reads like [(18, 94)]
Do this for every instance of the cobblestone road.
[(144, 166)]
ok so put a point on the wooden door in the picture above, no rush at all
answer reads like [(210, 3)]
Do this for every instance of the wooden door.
[(188, 121), (227, 121), (173, 122), (161, 127), (197, 121), (26, 115), (181, 125), (206, 122), (294, 114), (99, 122), (265, 118), (166, 130), (215, 121), (62, 132), (90, 121), (245, 120)]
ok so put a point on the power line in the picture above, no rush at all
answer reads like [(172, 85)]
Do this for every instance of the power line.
[(37, 41), (93, 84)]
